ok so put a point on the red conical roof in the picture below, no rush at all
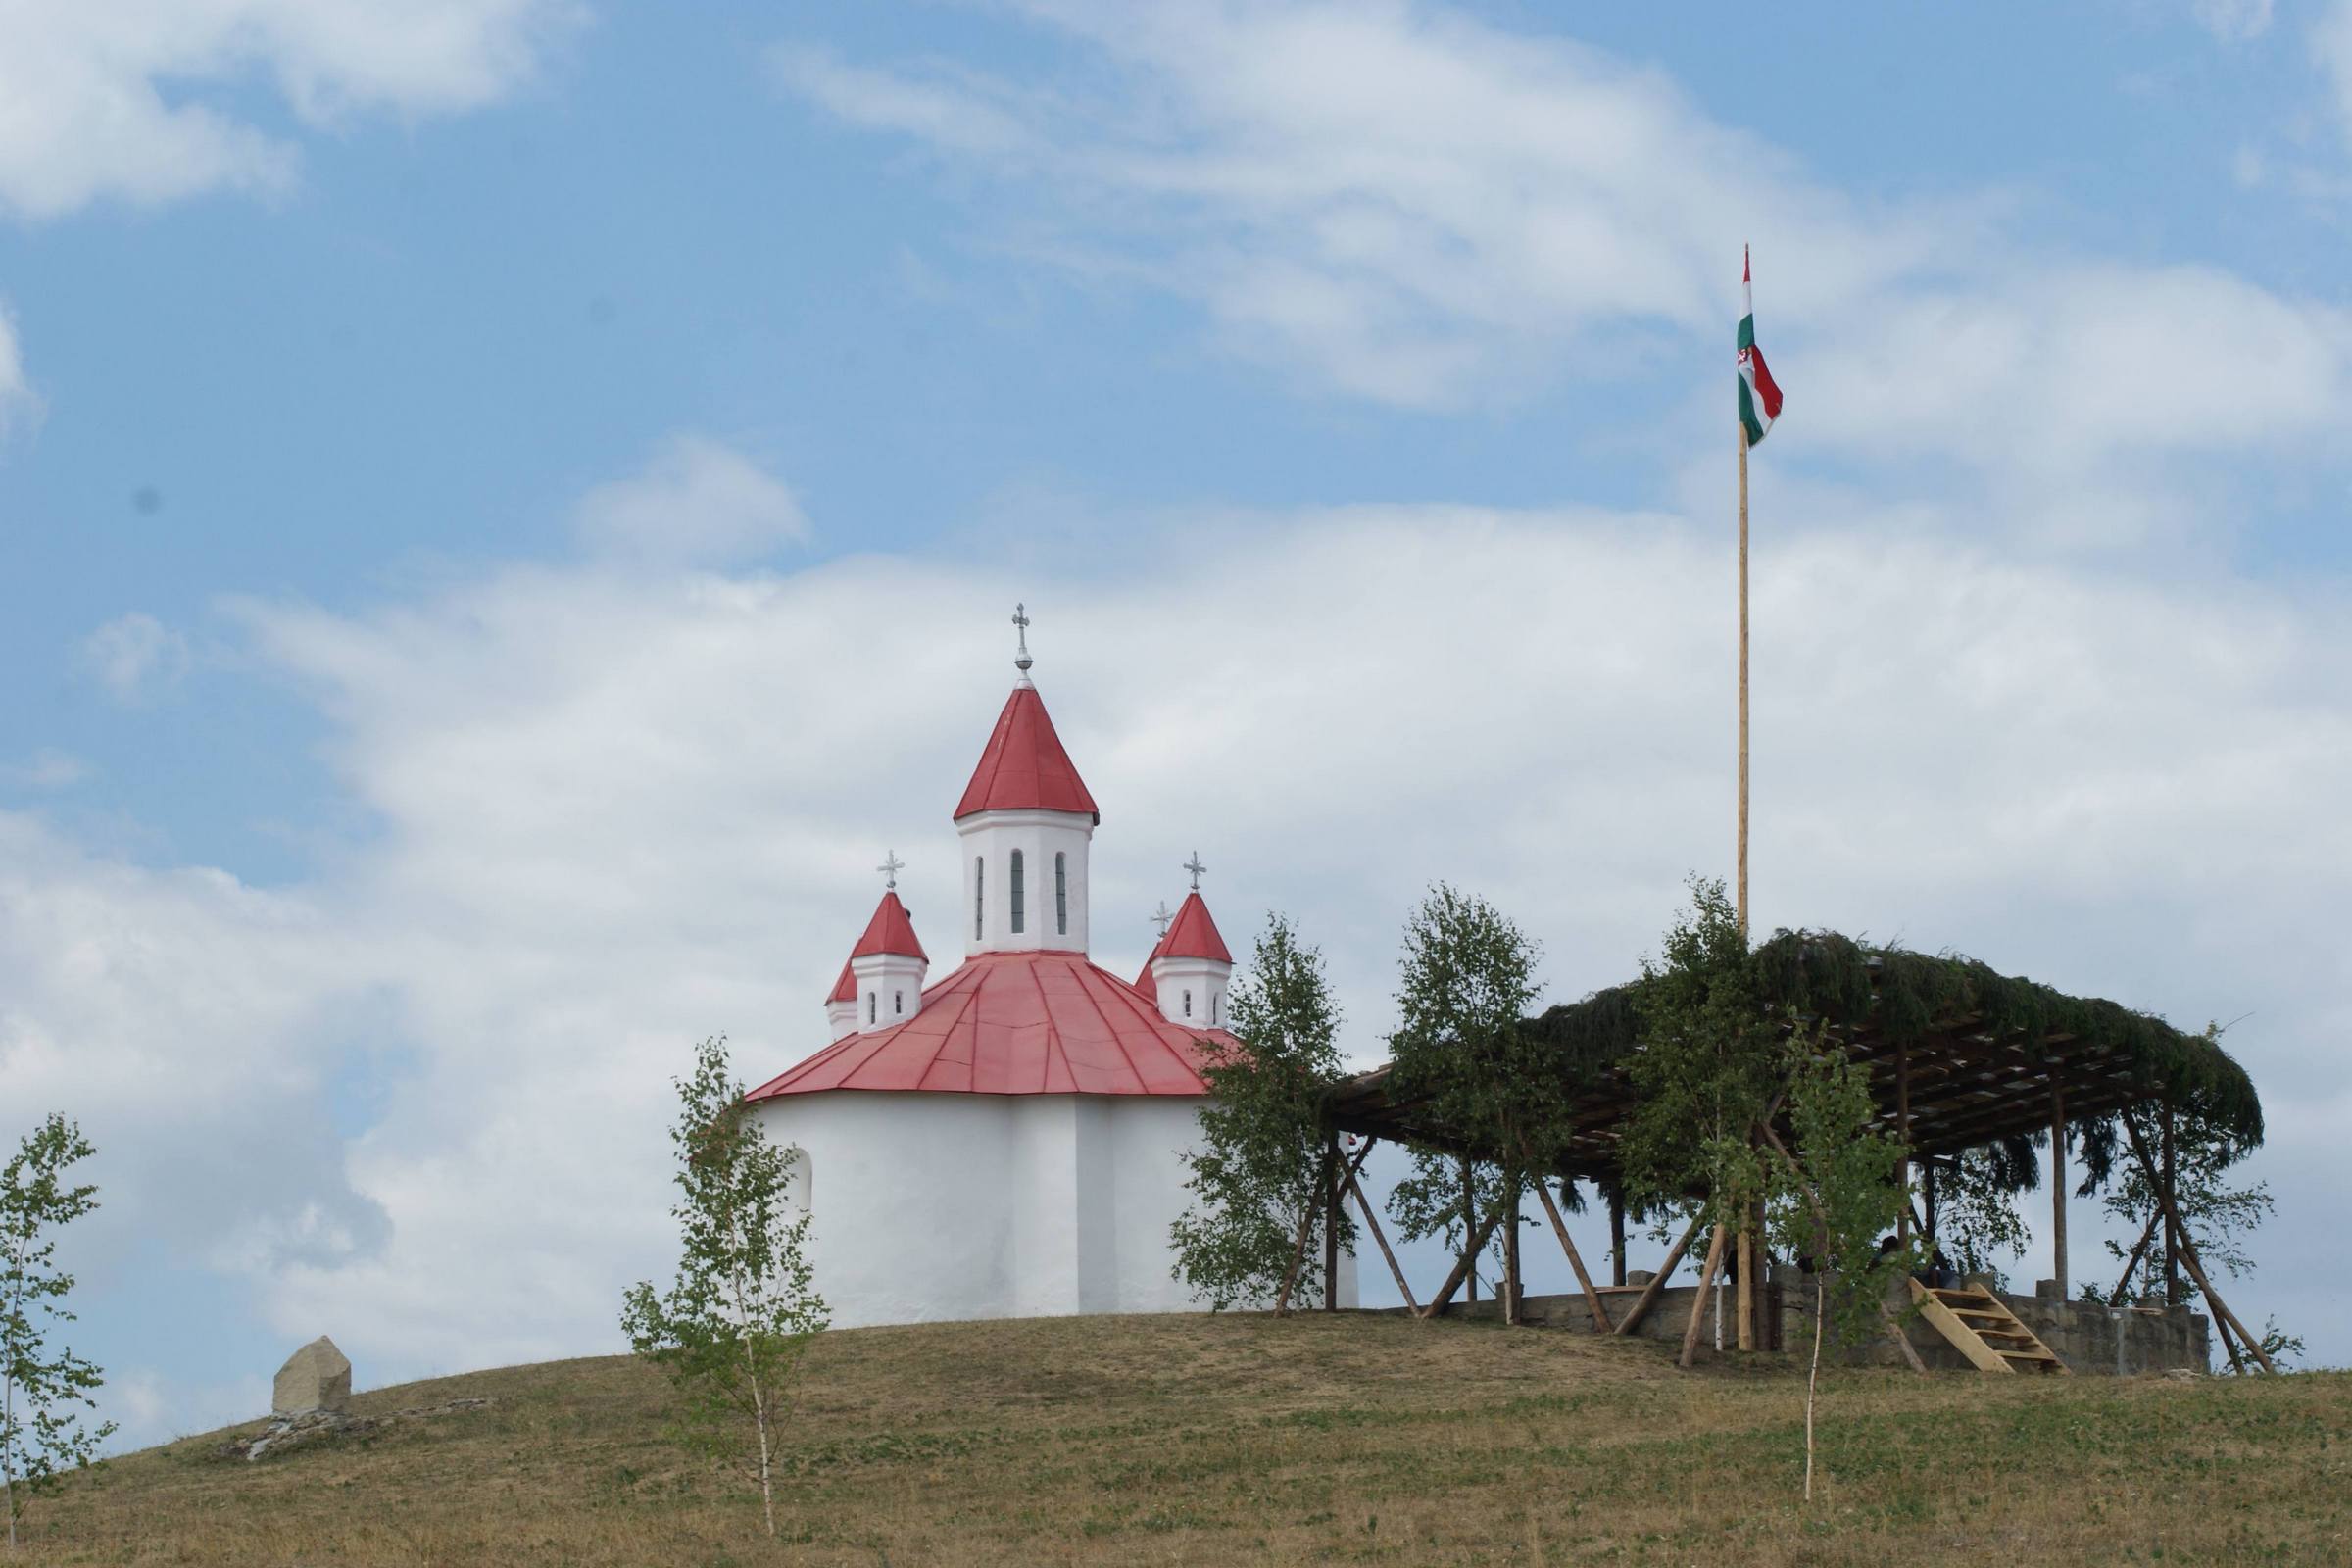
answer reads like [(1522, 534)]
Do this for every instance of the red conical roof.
[(844, 989), (1016, 1024), (889, 931), (1193, 933), (1024, 767)]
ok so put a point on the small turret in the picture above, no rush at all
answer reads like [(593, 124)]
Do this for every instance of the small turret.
[(882, 984), (1191, 968)]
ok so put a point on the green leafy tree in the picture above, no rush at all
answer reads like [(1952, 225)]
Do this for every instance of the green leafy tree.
[(1466, 981), (1831, 1193), (733, 1327), (45, 1390), (2220, 1215), (1254, 1229), (1429, 1201)]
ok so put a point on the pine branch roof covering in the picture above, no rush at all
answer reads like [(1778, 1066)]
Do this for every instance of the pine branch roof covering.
[(1985, 1054)]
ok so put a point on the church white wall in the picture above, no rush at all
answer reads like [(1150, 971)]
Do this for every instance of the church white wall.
[(1201, 981), (890, 987), (992, 837), (933, 1207)]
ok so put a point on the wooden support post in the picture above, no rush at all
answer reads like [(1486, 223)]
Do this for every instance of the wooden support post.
[(1559, 1228), (1658, 1281), (1469, 1224), (2188, 1253), (1903, 1135), (2139, 1248), (1380, 1237), (1510, 1257), (1616, 1233), (1927, 1191), (1698, 1306), (1745, 1312), (1461, 1268), (2058, 1188), (1331, 1224), (2171, 1254)]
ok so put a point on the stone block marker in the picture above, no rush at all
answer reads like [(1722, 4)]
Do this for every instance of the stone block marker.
[(316, 1377)]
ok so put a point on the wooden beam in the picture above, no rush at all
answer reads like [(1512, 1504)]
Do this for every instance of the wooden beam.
[(1470, 1220), (1616, 1233), (1510, 1258), (1745, 1313), (2058, 1188), (1902, 1133), (1331, 1220), (2189, 1250), (1461, 1265), (1559, 1228), (1658, 1281), (1372, 1224), (1698, 1307), (2171, 1254)]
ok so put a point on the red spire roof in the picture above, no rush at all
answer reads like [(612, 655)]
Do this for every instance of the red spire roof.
[(844, 989), (1193, 933), (1024, 767), (1015, 1023), (889, 931)]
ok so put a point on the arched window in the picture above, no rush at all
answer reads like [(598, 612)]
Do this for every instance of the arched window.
[(1188, 995), (1015, 885), (870, 1002), (1213, 999), (979, 896), (1061, 895), (898, 1002)]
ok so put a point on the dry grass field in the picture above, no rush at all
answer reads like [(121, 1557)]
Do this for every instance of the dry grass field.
[(1247, 1440)]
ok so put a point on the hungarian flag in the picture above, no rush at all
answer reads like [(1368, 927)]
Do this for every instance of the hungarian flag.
[(1759, 395)]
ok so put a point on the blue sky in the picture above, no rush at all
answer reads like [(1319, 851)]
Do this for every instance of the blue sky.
[(397, 416)]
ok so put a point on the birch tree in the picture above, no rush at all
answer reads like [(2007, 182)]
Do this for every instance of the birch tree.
[(731, 1330), (43, 1388), (1261, 1176)]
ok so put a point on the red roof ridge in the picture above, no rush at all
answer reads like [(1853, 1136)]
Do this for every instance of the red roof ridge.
[(1023, 767), (1193, 933)]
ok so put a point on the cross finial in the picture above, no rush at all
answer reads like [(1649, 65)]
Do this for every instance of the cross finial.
[(890, 869), (1194, 866), (1161, 917), (1020, 619)]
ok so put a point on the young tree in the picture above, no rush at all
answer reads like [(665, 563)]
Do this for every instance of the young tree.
[(1260, 1178), (1465, 983), (1831, 1194), (732, 1329), (43, 1391)]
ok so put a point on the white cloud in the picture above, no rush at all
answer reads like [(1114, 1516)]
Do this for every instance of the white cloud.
[(1395, 203), (134, 654), (139, 100), (617, 807), (45, 769), (2233, 21), (18, 400), (695, 500), (2331, 48)]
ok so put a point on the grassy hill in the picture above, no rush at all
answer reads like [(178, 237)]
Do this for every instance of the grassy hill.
[(1247, 1440)]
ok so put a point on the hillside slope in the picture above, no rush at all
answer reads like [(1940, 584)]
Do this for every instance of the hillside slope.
[(1244, 1439)]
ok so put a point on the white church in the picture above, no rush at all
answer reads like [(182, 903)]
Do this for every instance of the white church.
[(1007, 1141)]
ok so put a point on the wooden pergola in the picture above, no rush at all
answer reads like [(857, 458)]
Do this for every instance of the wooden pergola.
[(1959, 1057)]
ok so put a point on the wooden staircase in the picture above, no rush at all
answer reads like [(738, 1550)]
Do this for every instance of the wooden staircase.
[(1985, 1331)]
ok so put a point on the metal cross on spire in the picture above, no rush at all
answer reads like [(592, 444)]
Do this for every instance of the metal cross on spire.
[(1161, 917), (1194, 866), (1020, 619), (890, 869)]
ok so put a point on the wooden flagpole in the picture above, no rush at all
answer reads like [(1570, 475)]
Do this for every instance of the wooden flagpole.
[(1742, 874)]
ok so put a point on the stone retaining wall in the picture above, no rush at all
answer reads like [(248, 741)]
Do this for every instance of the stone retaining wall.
[(2093, 1340)]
